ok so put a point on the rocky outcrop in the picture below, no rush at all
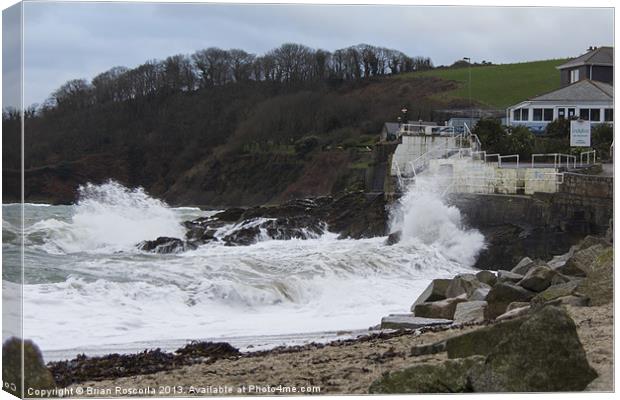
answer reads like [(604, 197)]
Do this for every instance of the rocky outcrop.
[(353, 215), (36, 375), (166, 245)]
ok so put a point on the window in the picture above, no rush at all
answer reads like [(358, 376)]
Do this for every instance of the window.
[(548, 114), (595, 114), (584, 113), (609, 114), (520, 114), (562, 113), (538, 114), (571, 113), (525, 114), (574, 75)]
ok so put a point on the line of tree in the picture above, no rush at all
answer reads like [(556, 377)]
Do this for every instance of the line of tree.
[(291, 65)]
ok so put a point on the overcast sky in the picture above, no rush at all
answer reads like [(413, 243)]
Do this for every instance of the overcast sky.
[(65, 41)]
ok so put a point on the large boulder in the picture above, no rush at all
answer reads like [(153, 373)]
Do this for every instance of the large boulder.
[(543, 354), (554, 292), (464, 284), (436, 290), (580, 263), (487, 277), (537, 278), (470, 311), (507, 276), (480, 341), (410, 321), (439, 309), (504, 293), (598, 286), (523, 266), (450, 376), (36, 375), (479, 294)]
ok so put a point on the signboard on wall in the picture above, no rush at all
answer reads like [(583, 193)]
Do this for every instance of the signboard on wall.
[(580, 133)]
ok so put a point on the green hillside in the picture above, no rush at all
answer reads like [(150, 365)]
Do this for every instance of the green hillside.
[(498, 86)]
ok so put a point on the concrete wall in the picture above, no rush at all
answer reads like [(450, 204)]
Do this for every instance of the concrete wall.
[(588, 185), (412, 147), (469, 176)]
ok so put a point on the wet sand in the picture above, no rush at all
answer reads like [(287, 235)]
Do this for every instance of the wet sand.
[(340, 367)]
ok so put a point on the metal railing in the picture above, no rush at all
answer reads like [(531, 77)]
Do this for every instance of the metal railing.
[(515, 156), (557, 159), (587, 154)]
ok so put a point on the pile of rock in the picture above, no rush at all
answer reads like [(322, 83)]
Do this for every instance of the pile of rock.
[(540, 352), (526, 342), (579, 277)]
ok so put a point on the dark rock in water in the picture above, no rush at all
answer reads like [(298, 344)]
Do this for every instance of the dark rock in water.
[(393, 238), (243, 236), (83, 368), (447, 377), (543, 354), (436, 290), (36, 375), (229, 215), (353, 215), (504, 293), (166, 245)]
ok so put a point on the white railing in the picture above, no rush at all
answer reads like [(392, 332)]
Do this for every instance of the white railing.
[(557, 159), (515, 156), (587, 154)]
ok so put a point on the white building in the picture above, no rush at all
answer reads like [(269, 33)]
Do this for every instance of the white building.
[(584, 99)]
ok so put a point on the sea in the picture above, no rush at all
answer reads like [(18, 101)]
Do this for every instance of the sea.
[(87, 288)]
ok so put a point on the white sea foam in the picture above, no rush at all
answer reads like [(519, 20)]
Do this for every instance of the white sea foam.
[(95, 290)]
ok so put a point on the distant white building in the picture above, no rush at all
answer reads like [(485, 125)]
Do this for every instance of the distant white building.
[(585, 99)]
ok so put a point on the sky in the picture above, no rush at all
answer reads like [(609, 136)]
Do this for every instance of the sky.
[(64, 41)]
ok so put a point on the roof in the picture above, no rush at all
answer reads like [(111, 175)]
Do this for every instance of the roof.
[(583, 90), (599, 56), (394, 127)]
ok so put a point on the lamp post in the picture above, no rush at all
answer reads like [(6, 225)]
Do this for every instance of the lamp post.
[(471, 110)]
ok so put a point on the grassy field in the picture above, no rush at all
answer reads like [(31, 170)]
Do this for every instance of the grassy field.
[(499, 86)]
